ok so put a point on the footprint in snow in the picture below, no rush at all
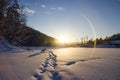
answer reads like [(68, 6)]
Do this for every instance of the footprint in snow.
[(55, 76), (70, 63), (38, 77), (48, 66)]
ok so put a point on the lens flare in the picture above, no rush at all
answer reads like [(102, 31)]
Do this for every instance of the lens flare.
[(93, 29)]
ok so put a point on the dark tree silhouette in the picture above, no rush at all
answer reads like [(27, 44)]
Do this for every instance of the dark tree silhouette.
[(11, 20)]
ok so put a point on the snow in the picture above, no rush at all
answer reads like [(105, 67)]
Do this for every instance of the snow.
[(115, 42), (5, 46), (89, 64), (61, 64), (106, 46)]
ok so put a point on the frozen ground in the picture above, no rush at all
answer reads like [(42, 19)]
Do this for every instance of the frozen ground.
[(61, 64)]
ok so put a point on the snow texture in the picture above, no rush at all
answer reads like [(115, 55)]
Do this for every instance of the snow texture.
[(61, 64), (47, 68)]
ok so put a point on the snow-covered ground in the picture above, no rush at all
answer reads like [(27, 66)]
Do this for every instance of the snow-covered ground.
[(61, 64), (115, 42)]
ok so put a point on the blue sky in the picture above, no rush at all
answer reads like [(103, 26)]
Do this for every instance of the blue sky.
[(74, 19)]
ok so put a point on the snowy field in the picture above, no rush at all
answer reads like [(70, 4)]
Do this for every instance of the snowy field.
[(61, 64)]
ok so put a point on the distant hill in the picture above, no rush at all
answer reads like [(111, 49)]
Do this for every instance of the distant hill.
[(30, 37), (25, 36)]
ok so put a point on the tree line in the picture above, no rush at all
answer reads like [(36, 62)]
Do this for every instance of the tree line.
[(100, 41)]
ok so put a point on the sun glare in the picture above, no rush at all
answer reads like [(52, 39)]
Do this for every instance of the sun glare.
[(63, 40)]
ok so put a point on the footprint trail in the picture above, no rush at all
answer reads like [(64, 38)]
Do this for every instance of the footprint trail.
[(47, 68)]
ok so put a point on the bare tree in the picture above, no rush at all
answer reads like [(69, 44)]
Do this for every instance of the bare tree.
[(12, 20)]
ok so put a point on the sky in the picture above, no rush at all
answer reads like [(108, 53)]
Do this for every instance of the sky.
[(73, 19)]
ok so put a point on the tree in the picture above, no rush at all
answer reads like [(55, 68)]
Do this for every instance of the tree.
[(11, 20), (3, 8)]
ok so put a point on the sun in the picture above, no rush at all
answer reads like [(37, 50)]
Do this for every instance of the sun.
[(63, 40)]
